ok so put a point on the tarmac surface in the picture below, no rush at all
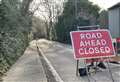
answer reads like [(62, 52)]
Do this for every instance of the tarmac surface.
[(27, 69), (62, 59)]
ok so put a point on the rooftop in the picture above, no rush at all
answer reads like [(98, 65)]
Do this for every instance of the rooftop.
[(115, 6)]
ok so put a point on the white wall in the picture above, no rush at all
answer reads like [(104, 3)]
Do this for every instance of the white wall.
[(114, 22)]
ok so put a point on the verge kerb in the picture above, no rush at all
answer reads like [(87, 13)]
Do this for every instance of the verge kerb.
[(51, 74)]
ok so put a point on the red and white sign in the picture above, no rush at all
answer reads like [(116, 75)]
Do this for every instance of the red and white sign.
[(92, 44), (118, 39)]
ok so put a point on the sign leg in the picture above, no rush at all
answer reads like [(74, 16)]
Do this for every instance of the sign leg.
[(87, 71), (77, 68), (110, 71)]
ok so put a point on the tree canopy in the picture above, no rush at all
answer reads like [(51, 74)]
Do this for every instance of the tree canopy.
[(75, 13), (103, 19), (15, 26)]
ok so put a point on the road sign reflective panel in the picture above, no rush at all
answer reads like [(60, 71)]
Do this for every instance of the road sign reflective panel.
[(118, 40), (92, 44)]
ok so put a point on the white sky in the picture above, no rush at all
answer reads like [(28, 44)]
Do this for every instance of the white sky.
[(104, 4)]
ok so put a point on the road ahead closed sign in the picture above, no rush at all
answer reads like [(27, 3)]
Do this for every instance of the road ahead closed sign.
[(92, 44)]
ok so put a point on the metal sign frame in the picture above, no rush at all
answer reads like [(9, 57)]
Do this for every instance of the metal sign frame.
[(77, 61), (75, 43)]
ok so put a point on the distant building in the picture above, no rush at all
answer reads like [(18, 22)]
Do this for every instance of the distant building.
[(114, 20)]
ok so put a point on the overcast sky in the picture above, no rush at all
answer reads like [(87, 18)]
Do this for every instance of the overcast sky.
[(104, 4)]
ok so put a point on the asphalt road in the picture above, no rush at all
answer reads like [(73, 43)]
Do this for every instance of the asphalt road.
[(62, 59), (28, 68)]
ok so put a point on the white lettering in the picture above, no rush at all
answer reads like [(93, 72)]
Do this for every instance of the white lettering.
[(103, 42), (102, 50), (98, 43), (93, 43), (87, 43), (95, 50), (99, 35), (91, 36), (91, 51), (81, 51), (88, 36), (107, 49), (82, 44), (82, 36)]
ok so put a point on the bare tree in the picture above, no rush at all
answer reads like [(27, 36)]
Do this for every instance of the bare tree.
[(49, 11), (25, 6)]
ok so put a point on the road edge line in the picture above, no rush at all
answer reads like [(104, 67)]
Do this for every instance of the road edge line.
[(51, 68)]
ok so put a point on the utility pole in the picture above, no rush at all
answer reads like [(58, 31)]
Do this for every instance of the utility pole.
[(77, 62), (76, 9)]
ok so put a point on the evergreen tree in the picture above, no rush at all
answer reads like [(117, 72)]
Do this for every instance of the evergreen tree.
[(103, 19), (75, 13), (14, 30)]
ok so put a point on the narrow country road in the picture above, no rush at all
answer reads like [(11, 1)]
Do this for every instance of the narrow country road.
[(27, 69), (61, 58)]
